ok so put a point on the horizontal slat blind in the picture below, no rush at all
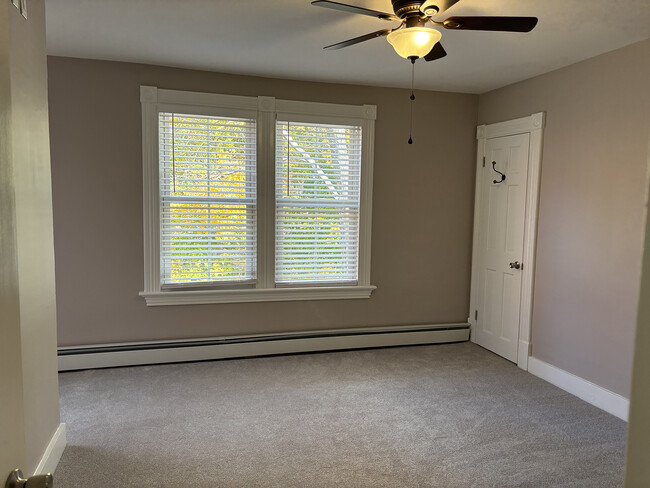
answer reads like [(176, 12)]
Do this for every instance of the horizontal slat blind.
[(208, 206), (317, 199)]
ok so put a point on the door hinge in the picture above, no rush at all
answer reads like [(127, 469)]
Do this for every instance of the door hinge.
[(484, 161)]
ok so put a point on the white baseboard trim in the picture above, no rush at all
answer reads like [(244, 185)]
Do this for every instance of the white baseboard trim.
[(52, 454), (131, 354), (598, 396)]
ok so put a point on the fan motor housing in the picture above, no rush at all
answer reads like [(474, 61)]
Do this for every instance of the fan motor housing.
[(404, 8)]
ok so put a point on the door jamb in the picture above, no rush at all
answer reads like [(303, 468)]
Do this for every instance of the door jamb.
[(534, 125)]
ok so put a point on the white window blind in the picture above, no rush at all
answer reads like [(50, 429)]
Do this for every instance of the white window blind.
[(317, 201), (208, 205)]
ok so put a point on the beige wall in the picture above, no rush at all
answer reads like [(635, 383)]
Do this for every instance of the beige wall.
[(591, 208), (637, 472), (29, 409), (12, 437), (422, 208)]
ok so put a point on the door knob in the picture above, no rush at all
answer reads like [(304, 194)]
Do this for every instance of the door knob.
[(16, 480), (516, 265)]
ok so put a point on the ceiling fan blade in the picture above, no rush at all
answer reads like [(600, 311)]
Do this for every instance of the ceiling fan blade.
[(357, 40), (437, 6), (506, 24), (354, 10), (437, 52)]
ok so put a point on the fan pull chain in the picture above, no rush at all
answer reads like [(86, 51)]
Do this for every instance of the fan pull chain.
[(412, 98)]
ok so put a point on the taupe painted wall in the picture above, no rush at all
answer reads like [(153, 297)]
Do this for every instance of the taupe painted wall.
[(637, 472), (29, 402), (591, 208), (422, 208)]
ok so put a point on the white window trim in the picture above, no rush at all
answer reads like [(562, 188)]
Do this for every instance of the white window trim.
[(155, 100)]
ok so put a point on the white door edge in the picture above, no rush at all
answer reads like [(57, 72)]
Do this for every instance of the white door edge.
[(534, 125)]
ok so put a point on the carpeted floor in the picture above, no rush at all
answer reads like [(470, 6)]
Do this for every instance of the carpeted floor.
[(450, 415)]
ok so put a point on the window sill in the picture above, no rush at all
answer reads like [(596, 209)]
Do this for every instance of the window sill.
[(198, 297)]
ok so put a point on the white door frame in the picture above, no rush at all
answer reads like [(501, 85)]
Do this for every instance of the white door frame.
[(533, 125)]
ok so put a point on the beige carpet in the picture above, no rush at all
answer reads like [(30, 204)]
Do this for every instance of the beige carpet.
[(445, 416)]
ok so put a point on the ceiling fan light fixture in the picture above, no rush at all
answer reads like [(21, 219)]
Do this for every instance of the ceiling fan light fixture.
[(413, 42)]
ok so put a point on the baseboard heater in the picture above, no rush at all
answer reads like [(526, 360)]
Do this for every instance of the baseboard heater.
[(138, 353)]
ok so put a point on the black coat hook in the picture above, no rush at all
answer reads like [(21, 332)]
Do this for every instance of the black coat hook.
[(503, 177)]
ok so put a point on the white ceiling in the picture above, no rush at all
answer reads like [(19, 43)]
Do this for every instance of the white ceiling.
[(284, 39)]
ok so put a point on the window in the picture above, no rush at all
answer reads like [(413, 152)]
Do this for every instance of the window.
[(208, 208), (254, 199), (317, 203)]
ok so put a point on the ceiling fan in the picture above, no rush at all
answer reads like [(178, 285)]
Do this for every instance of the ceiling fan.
[(413, 38)]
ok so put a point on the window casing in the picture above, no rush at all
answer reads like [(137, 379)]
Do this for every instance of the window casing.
[(284, 186)]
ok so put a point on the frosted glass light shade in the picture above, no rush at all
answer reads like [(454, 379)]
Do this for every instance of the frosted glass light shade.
[(413, 41)]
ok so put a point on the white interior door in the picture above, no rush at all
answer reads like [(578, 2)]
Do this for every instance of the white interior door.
[(501, 244)]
